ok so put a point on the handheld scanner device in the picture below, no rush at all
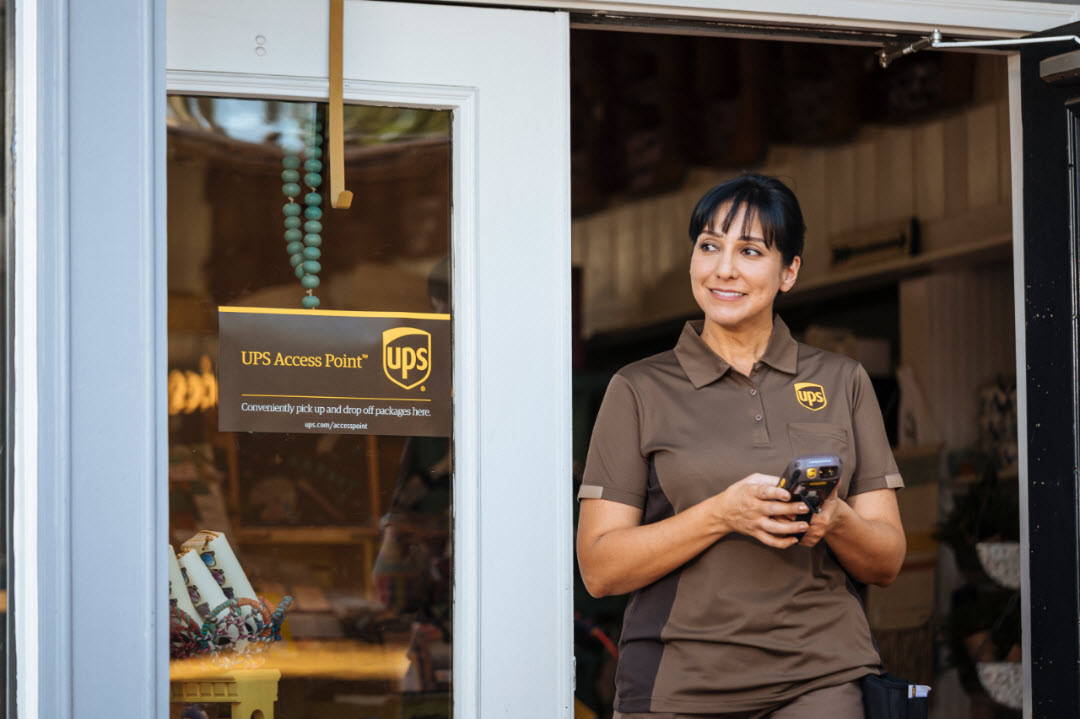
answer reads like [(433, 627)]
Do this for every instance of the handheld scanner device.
[(810, 479)]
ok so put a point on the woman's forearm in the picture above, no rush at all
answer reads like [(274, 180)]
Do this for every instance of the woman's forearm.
[(629, 558), (617, 554), (870, 550)]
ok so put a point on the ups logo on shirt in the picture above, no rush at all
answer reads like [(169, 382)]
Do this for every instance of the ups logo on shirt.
[(810, 395)]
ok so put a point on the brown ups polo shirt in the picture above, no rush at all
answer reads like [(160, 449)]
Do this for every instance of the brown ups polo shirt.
[(742, 626)]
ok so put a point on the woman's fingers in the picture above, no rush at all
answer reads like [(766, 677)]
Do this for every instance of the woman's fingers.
[(783, 528), (766, 487), (775, 508), (819, 526), (772, 493), (813, 535), (760, 509), (771, 540)]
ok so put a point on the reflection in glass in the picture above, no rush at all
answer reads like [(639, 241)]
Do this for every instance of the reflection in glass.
[(357, 529)]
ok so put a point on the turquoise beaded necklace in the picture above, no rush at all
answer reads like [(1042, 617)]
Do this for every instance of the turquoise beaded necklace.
[(303, 247)]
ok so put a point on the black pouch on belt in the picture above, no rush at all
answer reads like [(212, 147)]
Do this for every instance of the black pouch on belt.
[(889, 697)]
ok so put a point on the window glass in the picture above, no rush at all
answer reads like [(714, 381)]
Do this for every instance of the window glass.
[(354, 526)]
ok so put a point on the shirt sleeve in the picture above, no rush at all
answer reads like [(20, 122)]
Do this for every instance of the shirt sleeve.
[(615, 468), (875, 467)]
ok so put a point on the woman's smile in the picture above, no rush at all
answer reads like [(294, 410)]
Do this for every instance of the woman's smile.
[(727, 295)]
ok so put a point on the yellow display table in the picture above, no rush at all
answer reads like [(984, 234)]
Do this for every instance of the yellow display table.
[(252, 692), (202, 680)]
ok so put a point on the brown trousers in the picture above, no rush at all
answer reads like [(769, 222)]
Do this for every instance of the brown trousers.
[(840, 702)]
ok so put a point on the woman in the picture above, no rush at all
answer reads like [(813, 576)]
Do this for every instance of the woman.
[(731, 615)]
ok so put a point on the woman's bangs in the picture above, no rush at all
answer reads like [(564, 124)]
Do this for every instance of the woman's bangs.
[(770, 222)]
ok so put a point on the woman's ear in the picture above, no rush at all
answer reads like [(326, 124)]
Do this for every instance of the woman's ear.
[(789, 274)]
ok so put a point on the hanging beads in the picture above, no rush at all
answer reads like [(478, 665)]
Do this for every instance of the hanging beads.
[(303, 237)]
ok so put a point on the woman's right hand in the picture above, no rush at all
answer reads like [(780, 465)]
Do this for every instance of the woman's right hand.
[(757, 507)]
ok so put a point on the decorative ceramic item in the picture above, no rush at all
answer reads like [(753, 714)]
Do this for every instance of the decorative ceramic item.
[(996, 421), (1004, 682), (211, 622), (178, 594), (1001, 561), (214, 550), (205, 592)]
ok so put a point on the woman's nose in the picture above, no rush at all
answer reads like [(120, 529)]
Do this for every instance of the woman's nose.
[(725, 266)]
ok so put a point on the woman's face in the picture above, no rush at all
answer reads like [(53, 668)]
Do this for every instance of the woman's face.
[(735, 276)]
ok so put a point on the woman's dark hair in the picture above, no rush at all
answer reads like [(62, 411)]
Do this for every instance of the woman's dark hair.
[(765, 198)]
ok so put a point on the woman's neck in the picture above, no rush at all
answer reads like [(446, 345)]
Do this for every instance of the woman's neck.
[(740, 347)]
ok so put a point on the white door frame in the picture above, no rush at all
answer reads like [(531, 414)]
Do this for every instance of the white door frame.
[(89, 84), (510, 221)]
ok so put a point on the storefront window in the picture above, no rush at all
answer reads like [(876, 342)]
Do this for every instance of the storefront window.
[(339, 497)]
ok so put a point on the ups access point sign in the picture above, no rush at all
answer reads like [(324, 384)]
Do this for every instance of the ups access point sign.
[(334, 372)]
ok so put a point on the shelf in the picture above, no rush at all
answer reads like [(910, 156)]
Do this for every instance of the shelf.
[(992, 249), (668, 300), (306, 535), (309, 659)]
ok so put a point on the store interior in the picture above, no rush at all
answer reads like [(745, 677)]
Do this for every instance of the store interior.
[(905, 182), (904, 179)]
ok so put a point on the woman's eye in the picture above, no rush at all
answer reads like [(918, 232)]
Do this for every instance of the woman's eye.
[(707, 246), (753, 251)]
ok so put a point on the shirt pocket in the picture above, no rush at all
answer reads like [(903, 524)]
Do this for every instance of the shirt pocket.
[(823, 438)]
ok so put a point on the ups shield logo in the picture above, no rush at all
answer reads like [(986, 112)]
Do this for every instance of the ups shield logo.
[(406, 356), (810, 395)]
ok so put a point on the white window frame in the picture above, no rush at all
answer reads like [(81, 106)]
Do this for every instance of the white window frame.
[(462, 102)]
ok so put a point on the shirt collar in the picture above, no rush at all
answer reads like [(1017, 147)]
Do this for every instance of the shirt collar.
[(703, 366)]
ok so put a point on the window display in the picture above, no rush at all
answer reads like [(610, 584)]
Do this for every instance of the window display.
[(313, 567)]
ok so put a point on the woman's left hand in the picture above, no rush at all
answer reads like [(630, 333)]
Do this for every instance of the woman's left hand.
[(824, 521)]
